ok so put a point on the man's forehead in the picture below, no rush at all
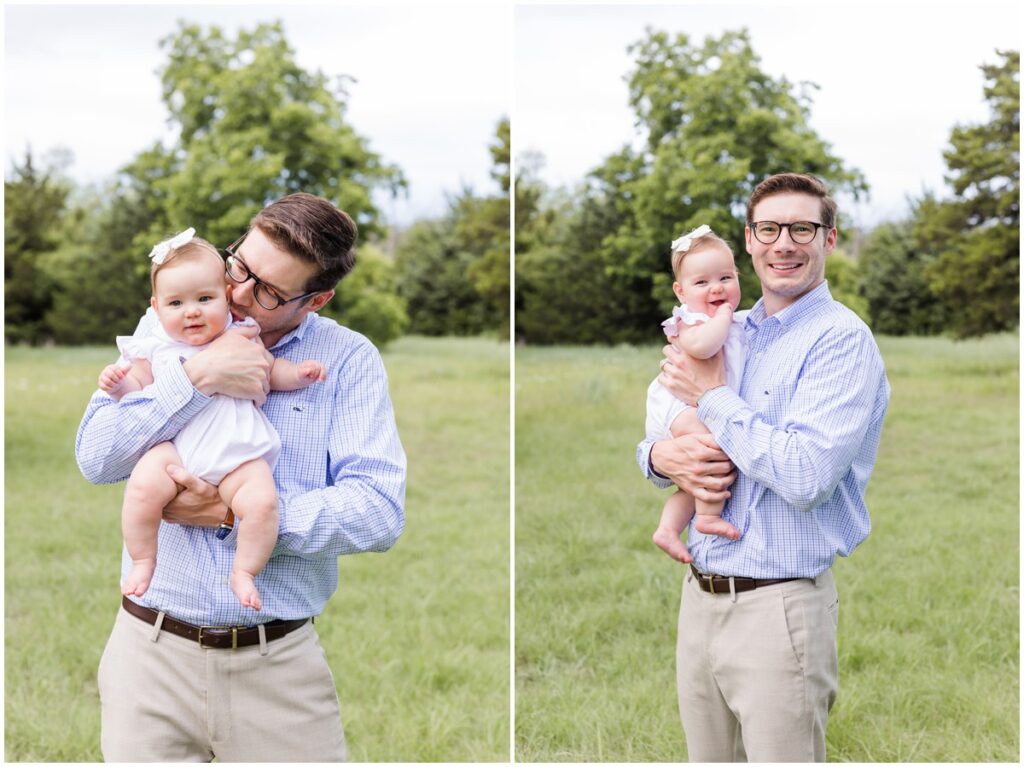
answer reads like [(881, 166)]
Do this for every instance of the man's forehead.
[(803, 206)]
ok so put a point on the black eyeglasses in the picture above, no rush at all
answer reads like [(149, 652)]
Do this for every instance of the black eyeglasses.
[(239, 271), (800, 232)]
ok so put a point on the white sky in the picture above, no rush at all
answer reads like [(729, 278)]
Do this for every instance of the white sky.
[(895, 78), (432, 83)]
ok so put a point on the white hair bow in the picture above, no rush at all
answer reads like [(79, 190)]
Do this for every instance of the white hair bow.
[(684, 242), (161, 249)]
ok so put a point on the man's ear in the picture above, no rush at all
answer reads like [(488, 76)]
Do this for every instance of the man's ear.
[(320, 300), (830, 240)]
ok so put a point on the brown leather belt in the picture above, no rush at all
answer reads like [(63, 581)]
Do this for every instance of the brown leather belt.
[(719, 584), (215, 637)]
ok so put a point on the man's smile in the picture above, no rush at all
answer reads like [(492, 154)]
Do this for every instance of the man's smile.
[(784, 267)]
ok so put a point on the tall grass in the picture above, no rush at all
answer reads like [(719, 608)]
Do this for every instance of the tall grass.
[(928, 638), (417, 638)]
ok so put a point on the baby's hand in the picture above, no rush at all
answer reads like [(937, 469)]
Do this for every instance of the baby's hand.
[(311, 371), (112, 377)]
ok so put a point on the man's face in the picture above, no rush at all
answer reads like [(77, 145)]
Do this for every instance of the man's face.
[(789, 270), (283, 272)]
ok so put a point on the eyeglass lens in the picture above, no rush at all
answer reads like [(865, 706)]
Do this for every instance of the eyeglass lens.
[(264, 296), (800, 232)]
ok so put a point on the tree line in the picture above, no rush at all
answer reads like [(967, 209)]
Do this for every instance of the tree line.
[(592, 263), (253, 126)]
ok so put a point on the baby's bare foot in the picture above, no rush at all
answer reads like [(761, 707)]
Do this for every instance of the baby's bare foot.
[(138, 579), (710, 525), (244, 586), (668, 541)]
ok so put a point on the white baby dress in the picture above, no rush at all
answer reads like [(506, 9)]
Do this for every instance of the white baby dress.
[(662, 405), (226, 433)]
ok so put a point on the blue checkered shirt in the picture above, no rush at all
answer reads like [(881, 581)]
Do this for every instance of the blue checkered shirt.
[(803, 432), (340, 478)]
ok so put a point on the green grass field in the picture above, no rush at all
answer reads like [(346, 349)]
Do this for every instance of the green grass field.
[(418, 638), (929, 625)]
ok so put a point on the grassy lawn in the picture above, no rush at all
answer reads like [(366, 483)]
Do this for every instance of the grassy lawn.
[(929, 627), (418, 638)]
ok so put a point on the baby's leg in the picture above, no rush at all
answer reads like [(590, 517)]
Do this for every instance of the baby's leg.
[(709, 515), (149, 489), (250, 492), (675, 516)]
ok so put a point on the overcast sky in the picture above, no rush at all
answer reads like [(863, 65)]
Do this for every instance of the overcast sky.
[(432, 82), (895, 78)]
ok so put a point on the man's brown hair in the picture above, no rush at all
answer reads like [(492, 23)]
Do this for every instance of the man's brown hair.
[(313, 230), (799, 183)]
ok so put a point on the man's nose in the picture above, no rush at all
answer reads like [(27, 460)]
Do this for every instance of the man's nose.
[(785, 241), (241, 293)]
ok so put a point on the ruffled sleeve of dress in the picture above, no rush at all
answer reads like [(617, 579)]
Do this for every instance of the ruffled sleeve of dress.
[(682, 316), (136, 348)]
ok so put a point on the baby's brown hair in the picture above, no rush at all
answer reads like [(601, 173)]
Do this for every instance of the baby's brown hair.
[(698, 245), (193, 250)]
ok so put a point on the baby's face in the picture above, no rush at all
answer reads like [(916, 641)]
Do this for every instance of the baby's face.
[(707, 280), (191, 301)]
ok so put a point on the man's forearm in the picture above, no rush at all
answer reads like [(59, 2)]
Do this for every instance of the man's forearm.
[(113, 436)]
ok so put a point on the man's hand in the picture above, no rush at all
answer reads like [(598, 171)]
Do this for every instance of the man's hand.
[(232, 365), (688, 377), (695, 463), (198, 504)]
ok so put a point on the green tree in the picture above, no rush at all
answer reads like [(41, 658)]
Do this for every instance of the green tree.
[(366, 300), (843, 275), (34, 205), (100, 272), (899, 300), (714, 125), (454, 272), (255, 126), (975, 238)]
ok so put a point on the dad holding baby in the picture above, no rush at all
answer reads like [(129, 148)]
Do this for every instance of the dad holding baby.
[(757, 659), (200, 664)]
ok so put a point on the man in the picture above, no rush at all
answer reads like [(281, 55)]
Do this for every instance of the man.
[(757, 660), (188, 673)]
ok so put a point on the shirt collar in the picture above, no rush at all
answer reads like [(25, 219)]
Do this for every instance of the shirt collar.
[(808, 304), (296, 333)]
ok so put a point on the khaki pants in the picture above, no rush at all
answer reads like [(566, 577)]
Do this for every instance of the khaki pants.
[(757, 676), (170, 700)]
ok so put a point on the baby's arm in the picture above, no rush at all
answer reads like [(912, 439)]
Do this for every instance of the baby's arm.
[(289, 376), (119, 380), (704, 340)]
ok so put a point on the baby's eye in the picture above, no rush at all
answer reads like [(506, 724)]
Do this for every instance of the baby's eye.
[(700, 282), (175, 302), (726, 277), (204, 299)]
